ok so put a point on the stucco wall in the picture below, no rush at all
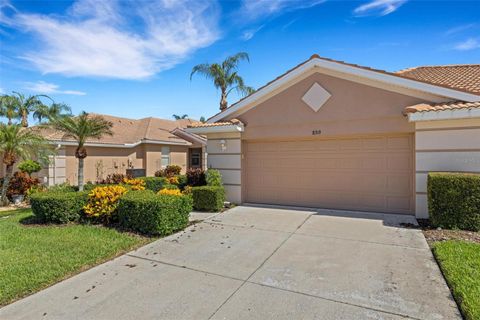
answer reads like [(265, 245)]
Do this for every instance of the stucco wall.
[(353, 108), (104, 161), (447, 145)]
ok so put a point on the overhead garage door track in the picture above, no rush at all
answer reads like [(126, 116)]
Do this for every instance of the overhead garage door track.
[(261, 263)]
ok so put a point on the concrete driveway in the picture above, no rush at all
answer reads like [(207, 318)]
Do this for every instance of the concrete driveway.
[(261, 263)]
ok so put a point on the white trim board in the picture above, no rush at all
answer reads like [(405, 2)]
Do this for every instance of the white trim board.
[(444, 115), (395, 81), (215, 129)]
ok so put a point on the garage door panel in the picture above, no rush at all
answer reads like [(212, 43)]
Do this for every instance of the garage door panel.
[(372, 173)]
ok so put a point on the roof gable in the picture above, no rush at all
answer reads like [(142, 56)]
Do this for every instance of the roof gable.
[(318, 64)]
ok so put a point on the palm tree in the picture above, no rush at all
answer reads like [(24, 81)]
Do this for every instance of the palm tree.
[(29, 104), (18, 143), (225, 76), (54, 111), (177, 117), (8, 107), (80, 129)]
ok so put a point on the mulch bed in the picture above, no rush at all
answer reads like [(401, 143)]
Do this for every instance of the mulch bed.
[(434, 235)]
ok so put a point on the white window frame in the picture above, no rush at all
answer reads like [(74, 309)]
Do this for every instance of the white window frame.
[(165, 157)]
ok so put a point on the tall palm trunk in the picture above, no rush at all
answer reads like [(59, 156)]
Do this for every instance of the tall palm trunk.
[(223, 100), (6, 181), (80, 174), (24, 119)]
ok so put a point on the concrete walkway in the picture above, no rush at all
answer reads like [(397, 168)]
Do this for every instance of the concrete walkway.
[(261, 263)]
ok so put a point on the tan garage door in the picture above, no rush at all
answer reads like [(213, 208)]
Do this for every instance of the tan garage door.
[(365, 173)]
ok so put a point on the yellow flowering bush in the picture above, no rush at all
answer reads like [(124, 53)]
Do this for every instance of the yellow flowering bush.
[(137, 184), (171, 192), (103, 201), (173, 180), (187, 190)]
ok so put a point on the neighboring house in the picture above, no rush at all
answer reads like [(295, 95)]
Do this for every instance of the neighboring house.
[(148, 143), (336, 135)]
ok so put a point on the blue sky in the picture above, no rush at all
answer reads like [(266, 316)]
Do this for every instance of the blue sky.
[(133, 58)]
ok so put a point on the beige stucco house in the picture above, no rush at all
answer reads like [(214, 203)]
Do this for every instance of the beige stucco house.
[(335, 135), (149, 144)]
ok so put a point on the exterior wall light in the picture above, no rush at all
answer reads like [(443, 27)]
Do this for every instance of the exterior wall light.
[(223, 145)]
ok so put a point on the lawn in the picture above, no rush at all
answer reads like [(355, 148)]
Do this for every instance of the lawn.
[(460, 263), (35, 256)]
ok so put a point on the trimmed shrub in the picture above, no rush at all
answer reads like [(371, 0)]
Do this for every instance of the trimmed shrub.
[(64, 187), (152, 214), (182, 181), (454, 200), (103, 201), (213, 178), (154, 184), (135, 184), (196, 177), (208, 198), (58, 207), (170, 171), (171, 192), (29, 166), (114, 178)]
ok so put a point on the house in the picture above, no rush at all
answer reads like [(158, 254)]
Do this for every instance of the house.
[(331, 134), (149, 143)]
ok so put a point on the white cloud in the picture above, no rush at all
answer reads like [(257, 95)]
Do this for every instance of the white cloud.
[(119, 39), (378, 7), (250, 33), (253, 9), (469, 44), (458, 29), (49, 88)]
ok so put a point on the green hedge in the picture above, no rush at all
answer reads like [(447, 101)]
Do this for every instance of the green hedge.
[(454, 200), (154, 184), (152, 214), (58, 207), (208, 198)]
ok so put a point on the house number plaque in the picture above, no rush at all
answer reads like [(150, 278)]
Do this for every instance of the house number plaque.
[(316, 132)]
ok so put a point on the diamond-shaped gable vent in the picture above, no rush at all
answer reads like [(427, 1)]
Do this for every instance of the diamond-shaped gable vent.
[(316, 97)]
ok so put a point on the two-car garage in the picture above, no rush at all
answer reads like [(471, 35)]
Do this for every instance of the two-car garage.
[(371, 173)]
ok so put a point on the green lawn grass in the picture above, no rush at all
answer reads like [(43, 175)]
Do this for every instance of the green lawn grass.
[(460, 263), (33, 257)]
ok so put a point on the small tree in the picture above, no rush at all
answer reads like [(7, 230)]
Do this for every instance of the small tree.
[(225, 76), (55, 110), (81, 128), (26, 105), (19, 143), (177, 117), (29, 166), (9, 108)]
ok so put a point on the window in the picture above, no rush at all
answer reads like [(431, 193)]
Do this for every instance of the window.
[(195, 159), (165, 157)]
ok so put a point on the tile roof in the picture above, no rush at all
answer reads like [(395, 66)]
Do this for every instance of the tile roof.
[(130, 131), (464, 77), (216, 124), (454, 105)]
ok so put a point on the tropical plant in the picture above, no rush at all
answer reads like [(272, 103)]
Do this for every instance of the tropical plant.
[(170, 192), (103, 201), (19, 143), (177, 117), (29, 166), (8, 108), (26, 105), (225, 77), (55, 110), (202, 119), (213, 178), (81, 128), (136, 184)]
